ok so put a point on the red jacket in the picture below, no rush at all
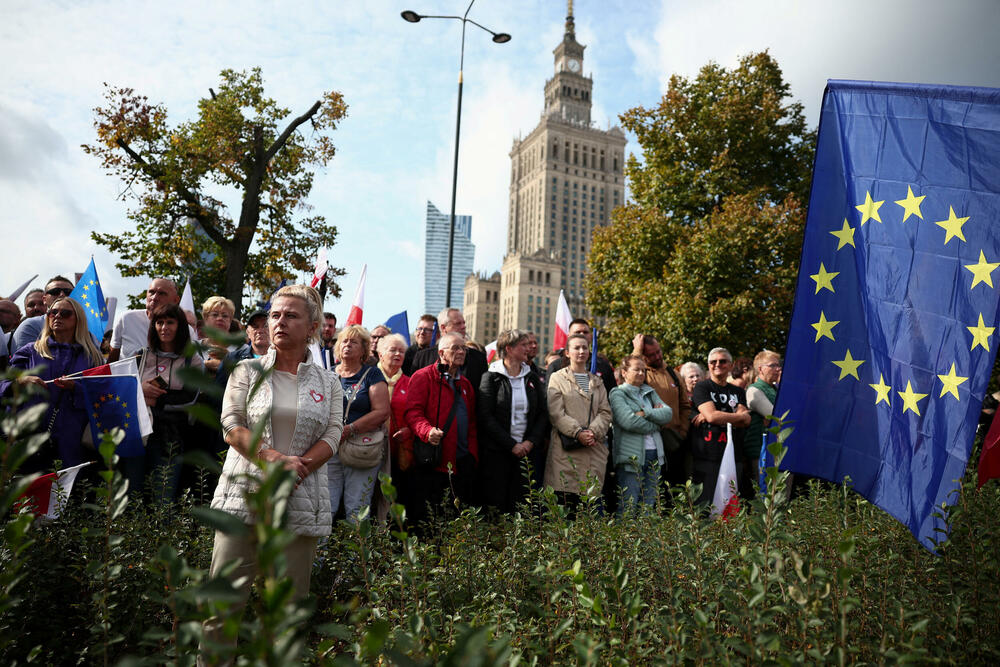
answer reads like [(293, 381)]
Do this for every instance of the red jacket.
[(429, 399), (402, 448)]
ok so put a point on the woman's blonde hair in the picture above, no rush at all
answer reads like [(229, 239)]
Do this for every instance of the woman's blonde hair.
[(214, 303), (357, 332), (314, 304), (81, 334)]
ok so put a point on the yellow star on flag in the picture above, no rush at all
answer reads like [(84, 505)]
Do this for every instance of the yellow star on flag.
[(910, 399), (869, 210), (981, 334), (981, 271), (824, 278), (911, 205), (952, 226), (848, 366), (824, 327), (881, 390), (845, 236), (951, 382)]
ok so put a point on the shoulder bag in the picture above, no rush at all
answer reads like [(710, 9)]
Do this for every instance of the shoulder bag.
[(570, 442), (362, 450), (427, 454)]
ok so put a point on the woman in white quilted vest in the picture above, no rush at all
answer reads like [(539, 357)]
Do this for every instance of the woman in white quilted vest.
[(301, 406)]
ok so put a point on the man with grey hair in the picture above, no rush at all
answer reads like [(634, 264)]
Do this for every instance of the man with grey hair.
[(441, 411), (718, 403), (129, 336), (451, 321)]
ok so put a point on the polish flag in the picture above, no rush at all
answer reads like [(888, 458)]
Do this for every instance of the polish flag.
[(321, 267), (726, 502), (358, 307), (491, 352), (46, 497), (563, 318)]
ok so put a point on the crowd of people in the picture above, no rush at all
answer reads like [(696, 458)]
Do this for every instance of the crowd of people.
[(339, 407), (434, 415)]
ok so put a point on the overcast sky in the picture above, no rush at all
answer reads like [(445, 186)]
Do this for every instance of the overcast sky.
[(395, 147)]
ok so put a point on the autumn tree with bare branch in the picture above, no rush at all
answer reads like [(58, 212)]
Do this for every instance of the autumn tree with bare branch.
[(178, 176)]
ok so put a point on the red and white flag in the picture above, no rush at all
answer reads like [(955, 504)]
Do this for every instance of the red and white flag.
[(563, 318), (46, 497), (726, 501), (491, 352), (321, 267), (358, 307)]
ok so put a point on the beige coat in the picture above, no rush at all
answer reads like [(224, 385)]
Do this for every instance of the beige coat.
[(568, 412)]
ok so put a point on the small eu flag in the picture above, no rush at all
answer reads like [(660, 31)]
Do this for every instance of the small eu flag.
[(893, 332), (88, 294), (111, 403), (399, 324)]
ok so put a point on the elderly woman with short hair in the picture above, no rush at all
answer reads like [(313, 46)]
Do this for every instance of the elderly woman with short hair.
[(298, 408), (366, 407), (391, 351), (217, 312), (513, 418)]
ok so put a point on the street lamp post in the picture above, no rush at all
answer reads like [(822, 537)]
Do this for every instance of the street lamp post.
[(499, 38)]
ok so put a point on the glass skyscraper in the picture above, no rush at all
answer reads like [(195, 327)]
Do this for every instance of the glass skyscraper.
[(436, 259)]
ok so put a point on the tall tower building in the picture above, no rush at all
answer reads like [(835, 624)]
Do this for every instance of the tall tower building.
[(436, 258), (566, 177)]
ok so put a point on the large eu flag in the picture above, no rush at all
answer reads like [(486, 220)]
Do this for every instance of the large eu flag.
[(893, 333), (88, 294)]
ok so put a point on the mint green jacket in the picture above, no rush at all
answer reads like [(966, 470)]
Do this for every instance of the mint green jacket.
[(631, 430)]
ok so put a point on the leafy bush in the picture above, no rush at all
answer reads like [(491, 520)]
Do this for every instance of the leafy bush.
[(828, 578)]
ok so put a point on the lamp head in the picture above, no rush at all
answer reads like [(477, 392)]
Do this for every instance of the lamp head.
[(411, 16), (501, 38)]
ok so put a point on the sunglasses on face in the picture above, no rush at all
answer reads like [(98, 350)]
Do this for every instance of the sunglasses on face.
[(718, 362), (64, 313), (59, 291)]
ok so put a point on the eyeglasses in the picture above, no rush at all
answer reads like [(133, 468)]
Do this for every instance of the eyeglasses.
[(773, 364), (424, 330), (59, 291), (64, 313), (719, 362)]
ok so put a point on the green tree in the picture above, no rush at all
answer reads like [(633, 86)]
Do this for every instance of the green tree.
[(706, 252), (240, 141)]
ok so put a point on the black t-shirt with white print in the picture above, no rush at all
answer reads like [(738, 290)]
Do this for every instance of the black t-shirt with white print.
[(708, 442)]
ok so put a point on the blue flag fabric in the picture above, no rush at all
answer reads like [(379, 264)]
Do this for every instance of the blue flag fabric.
[(399, 324), (110, 401), (893, 332), (593, 352), (88, 294)]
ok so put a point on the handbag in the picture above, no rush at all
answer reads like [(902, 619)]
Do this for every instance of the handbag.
[(362, 450), (427, 454), (570, 442)]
